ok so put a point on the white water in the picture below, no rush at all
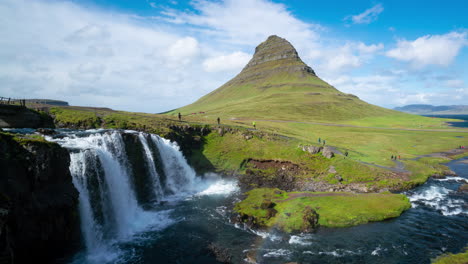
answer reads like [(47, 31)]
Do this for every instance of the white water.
[(109, 210), (440, 199)]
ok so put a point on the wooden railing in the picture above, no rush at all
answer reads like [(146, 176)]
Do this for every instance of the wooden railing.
[(12, 101)]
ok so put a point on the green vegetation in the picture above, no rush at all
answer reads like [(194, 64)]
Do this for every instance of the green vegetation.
[(461, 258), (286, 211)]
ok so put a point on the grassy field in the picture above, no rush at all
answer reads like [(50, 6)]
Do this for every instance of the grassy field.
[(286, 211), (227, 152)]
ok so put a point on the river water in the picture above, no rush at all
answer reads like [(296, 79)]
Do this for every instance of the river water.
[(190, 212)]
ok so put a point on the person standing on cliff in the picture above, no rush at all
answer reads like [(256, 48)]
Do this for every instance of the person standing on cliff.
[(219, 121), (180, 117)]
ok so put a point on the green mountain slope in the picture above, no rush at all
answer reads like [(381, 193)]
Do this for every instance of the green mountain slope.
[(277, 84)]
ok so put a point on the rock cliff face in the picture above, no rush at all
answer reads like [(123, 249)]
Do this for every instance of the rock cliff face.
[(39, 219), (19, 117)]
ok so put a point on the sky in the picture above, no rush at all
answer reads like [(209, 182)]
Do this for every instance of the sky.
[(157, 55)]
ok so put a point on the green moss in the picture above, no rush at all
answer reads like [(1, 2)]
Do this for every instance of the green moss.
[(460, 258), (334, 209)]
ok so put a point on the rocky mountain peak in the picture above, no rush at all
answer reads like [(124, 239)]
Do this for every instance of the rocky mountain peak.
[(276, 49)]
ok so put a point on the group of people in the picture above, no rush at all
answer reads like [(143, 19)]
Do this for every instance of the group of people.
[(320, 141), (218, 120), (395, 157), (461, 147)]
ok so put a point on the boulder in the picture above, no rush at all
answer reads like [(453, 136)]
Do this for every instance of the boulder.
[(328, 153), (310, 219), (312, 149)]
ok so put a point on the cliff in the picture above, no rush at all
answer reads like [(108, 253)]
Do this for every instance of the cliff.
[(21, 117), (39, 219)]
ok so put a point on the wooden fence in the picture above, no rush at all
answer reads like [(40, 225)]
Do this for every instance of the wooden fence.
[(12, 101)]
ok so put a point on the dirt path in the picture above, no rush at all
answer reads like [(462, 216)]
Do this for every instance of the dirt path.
[(306, 194), (344, 125)]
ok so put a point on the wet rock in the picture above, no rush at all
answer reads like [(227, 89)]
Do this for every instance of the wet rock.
[(46, 131), (221, 254), (463, 188), (39, 218)]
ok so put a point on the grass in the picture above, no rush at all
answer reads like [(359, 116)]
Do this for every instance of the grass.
[(460, 258), (333, 209), (227, 153)]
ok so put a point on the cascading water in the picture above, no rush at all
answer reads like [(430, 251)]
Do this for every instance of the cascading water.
[(108, 204)]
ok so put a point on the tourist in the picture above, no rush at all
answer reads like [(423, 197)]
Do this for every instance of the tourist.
[(180, 117), (254, 124), (219, 120)]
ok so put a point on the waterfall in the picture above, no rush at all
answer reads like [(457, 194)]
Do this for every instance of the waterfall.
[(102, 173)]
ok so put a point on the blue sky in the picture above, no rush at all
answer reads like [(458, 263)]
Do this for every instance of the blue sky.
[(152, 56)]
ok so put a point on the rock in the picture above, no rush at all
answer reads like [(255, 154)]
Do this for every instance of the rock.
[(310, 219), (332, 169), (22, 117), (438, 176), (222, 254), (39, 220), (463, 188), (339, 178), (247, 137), (449, 173), (266, 204), (327, 152), (221, 131), (46, 131), (271, 212), (312, 149)]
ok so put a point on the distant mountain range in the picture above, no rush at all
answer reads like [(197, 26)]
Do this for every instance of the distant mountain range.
[(424, 109)]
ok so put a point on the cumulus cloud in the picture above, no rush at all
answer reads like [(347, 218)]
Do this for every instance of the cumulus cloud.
[(244, 21), (332, 60), (233, 61), (366, 17), (430, 49)]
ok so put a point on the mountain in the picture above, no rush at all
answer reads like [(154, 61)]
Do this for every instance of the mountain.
[(424, 109), (277, 84)]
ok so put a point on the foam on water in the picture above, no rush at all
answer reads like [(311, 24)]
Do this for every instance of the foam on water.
[(439, 198)]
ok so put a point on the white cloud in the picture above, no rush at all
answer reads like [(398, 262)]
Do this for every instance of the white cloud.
[(455, 83), (367, 16), (331, 60), (244, 21), (368, 49), (430, 49), (233, 61)]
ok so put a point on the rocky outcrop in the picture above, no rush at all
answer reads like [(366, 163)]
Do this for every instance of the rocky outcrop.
[(15, 116), (39, 218), (270, 173), (327, 151)]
